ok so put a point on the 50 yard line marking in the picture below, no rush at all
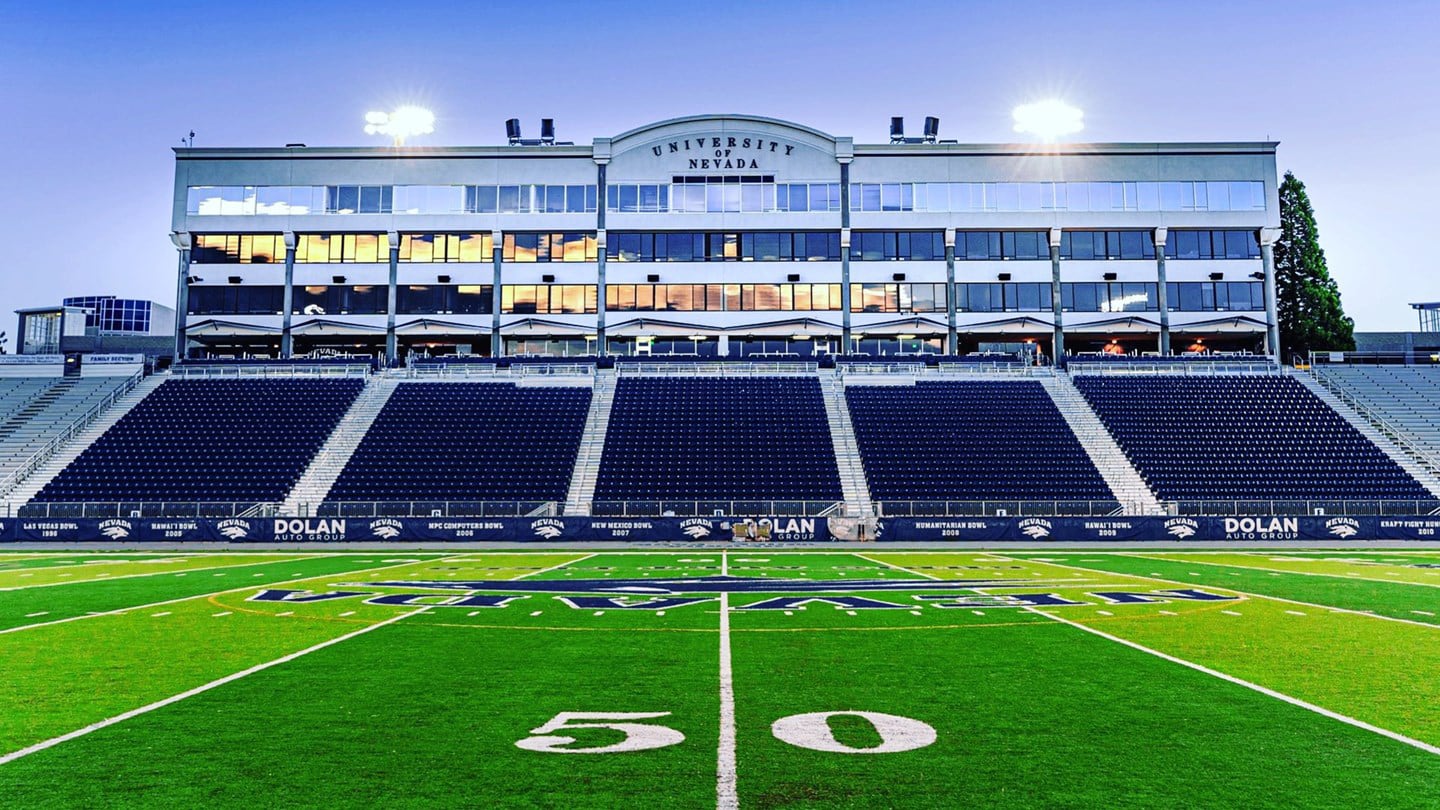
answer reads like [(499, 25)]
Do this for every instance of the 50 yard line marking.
[(726, 795)]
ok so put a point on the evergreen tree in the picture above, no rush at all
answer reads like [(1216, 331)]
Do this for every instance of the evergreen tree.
[(1307, 298)]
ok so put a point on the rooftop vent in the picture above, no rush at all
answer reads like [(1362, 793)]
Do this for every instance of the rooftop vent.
[(512, 131), (932, 128), (897, 129)]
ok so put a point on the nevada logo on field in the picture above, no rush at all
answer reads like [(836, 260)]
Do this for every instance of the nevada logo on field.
[(116, 529), (782, 594)]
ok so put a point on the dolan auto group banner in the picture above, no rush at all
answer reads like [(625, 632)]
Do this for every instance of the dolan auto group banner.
[(652, 530)]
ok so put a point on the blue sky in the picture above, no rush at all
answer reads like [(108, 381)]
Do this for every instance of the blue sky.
[(95, 94)]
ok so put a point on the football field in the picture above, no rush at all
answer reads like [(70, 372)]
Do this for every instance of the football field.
[(704, 677)]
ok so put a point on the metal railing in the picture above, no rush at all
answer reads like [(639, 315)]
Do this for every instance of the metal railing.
[(670, 508), (1080, 508), (426, 509), (1199, 368), (259, 371), (147, 509), (1301, 508), (1410, 358), (465, 370), (42, 455), (703, 369)]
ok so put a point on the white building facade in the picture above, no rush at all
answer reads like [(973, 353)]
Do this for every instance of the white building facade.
[(729, 236)]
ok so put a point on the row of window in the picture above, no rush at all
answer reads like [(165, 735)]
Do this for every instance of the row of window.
[(758, 194), (899, 297), (381, 199)]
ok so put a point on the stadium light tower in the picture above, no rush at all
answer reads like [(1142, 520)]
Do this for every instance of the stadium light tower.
[(404, 122), (1048, 120)]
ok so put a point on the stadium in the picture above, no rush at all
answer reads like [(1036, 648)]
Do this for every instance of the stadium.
[(722, 462)]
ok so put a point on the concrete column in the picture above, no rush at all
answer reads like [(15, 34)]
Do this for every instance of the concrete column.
[(602, 343), (183, 242), (600, 299), (497, 255), (286, 344), (952, 340), (1272, 317), (844, 255), (1160, 236), (390, 299), (1058, 346)]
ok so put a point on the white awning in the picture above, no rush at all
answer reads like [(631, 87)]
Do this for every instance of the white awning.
[(1235, 325)]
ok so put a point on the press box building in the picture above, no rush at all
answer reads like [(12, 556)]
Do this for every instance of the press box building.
[(725, 235)]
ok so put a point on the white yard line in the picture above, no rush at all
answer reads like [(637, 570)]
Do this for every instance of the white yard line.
[(726, 795), (1320, 710), (160, 704), (175, 571), (894, 566), (208, 595), (556, 567), (1249, 594)]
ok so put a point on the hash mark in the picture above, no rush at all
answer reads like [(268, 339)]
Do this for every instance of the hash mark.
[(33, 615), (978, 612), (1230, 613), (161, 613), (1295, 613), (348, 613), (1168, 613), (286, 613), (1105, 613), (537, 613), (599, 613), (218, 615), (1422, 613)]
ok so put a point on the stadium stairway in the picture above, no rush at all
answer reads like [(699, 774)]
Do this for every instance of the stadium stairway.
[(1134, 495), (314, 485), (592, 445), (847, 451), (30, 485), (1413, 460)]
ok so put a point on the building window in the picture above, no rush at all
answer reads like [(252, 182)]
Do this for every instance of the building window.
[(1215, 296), (1114, 296), (1182, 195), (1086, 245), (1232, 244), (677, 246), (342, 247), (870, 246), (1001, 245), (236, 299), (1002, 297), (339, 299), (722, 297), (897, 298), (548, 299), (238, 248), (549, 247), (446, 247), (444, 299)]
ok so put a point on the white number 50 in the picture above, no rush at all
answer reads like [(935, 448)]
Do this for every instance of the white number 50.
[(638, 736)]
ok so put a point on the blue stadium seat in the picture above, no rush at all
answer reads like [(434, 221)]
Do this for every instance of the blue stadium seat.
[(468, 442), (1242, 438), (209, 440), (969, 441), (756, 438)]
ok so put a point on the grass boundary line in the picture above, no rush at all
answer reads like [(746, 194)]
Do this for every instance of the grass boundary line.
[(1281, 696), (176, 698), (206, 595), (581, 558), (727, 796), (298, 558)]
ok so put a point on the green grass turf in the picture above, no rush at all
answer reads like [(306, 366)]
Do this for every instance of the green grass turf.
[(1382, 598), (425, 712), (128, 566), (1384, 569), (17, 607)]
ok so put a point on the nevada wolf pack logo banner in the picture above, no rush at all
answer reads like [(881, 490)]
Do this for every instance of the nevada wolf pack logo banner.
[(651, 530)]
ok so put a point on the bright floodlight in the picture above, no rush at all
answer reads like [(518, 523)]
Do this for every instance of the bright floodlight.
[(1049, 119), (403, 123)]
